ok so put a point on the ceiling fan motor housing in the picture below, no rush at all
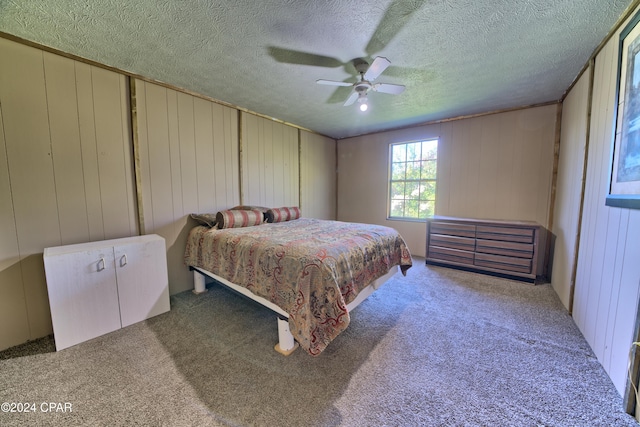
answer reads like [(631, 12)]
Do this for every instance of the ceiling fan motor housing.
[(362, 86), (361, 66)]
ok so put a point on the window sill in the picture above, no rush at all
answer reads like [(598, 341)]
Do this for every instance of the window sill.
[(406, 219)]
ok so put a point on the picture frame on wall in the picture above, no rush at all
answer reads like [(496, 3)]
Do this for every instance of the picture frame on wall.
[(624, 181)]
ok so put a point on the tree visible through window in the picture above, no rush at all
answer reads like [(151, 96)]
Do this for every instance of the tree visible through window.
[(412, 183)]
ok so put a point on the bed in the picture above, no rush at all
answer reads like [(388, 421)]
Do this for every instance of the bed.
[(310, 272)]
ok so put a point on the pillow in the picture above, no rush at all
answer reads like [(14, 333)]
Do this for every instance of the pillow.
[(283, 214), (262, 209), (249, 208), (239, 218), (206, 219)]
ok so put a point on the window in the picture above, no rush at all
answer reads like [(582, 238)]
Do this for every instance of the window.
[(412, 179)]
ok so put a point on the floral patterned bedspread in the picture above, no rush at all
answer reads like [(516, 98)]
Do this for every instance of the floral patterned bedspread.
[(310, 268)]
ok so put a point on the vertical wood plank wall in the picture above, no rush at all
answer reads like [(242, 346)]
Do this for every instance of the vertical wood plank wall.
[(192, 156), (65, 173), (573, 140), (608, 275), (270, 163), (318, 155), (66, 170), (188, 151), (497, 167)]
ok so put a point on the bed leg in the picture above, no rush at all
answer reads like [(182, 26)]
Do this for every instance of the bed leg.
[(287, 344), (199, 285)]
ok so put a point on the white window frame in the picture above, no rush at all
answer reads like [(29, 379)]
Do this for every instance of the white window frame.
[(391, 181)]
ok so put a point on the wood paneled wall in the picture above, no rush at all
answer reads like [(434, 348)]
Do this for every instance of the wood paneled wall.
[(67, 170), (497, 166), (66, 173), (270, 162), (196, 157), (608, 277), (569, 184), (317, 157), (188, 163)]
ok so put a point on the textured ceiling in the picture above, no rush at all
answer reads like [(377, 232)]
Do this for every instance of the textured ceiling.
[(454, 57)]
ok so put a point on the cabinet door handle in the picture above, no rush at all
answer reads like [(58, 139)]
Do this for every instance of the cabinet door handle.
[(101, 264), (123, 260)]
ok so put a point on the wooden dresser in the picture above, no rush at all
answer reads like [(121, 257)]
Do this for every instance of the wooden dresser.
[(507, 248)]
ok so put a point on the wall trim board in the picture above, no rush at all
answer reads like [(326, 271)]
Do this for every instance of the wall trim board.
[(554, 188), (554, 169), (240, 155), (137, 175), (585, 162), (299, 136), (335, 213)]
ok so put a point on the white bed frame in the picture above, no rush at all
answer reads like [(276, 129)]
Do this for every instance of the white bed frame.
[(286, 344)]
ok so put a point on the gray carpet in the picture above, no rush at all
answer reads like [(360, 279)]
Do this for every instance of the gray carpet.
[(438, 348)]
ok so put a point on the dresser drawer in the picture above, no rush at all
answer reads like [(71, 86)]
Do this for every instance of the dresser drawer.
[(505, 263), (452, 255), (452, 229), (454, 242), (507, 234), (510, 249)]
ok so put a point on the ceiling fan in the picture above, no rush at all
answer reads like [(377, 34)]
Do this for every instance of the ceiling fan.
[(368, 73)]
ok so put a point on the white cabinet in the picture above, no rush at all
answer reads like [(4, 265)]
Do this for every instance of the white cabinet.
[(99, 287)]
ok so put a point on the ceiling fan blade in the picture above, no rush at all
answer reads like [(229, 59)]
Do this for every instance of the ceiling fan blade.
[(333, 83), (339, 95), (388, 88), (289, 56), (395, 18), (376, 68), (351, 99)]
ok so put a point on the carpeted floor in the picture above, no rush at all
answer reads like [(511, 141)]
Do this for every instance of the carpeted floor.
[(439, 347)]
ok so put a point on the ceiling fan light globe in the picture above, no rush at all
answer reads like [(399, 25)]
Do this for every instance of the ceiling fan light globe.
[(364, 106)]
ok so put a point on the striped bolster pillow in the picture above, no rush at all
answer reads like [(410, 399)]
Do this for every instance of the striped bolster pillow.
[(239, 218), (283, 214)]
